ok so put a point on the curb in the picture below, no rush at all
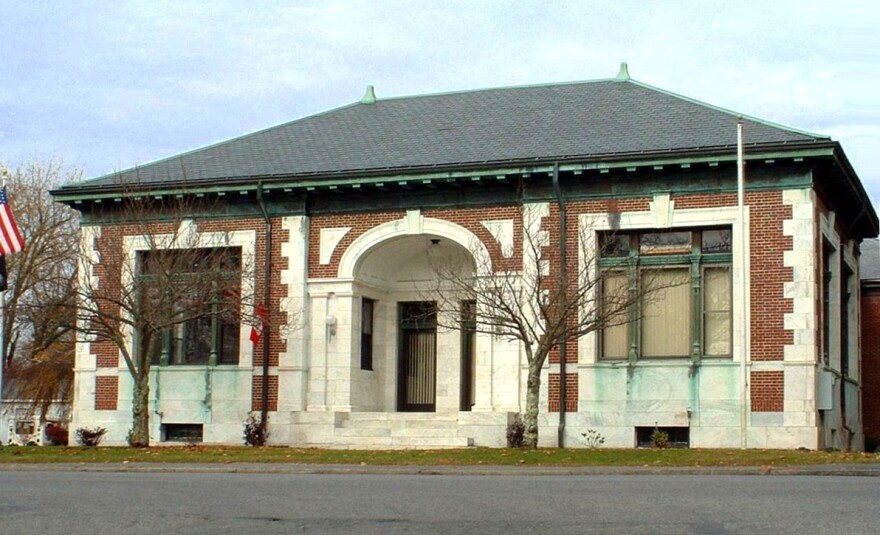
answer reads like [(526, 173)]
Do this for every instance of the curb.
[(853, 470)]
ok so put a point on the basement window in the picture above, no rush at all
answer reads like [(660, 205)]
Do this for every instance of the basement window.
[(25, 427), (679, 437), (183, 432)]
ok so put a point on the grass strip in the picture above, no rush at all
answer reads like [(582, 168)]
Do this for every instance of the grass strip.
[(455, 457)]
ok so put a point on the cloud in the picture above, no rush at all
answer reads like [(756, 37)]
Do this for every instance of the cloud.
[(128, 82)]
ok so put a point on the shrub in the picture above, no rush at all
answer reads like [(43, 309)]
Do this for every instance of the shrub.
[(90, 436), (516, 430), (659, 439), (57, 435), (255, 434), (593, 438)]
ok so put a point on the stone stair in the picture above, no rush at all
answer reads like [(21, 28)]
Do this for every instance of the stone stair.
[(380, 430)]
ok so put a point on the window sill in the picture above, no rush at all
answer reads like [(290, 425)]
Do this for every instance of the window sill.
[(661, 363), (199, 367)]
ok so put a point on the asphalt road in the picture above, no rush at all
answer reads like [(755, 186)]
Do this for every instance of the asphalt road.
[(33, 502)]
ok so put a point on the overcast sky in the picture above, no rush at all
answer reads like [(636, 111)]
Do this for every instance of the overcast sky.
[(109, 85)]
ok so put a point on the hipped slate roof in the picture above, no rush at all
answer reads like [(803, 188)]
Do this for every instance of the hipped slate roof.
[(493, 126)]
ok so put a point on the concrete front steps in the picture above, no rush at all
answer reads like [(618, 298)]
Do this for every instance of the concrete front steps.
[(379, 430)]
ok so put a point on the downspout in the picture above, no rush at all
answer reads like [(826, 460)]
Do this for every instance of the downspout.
[(264, 408), (563, 279)]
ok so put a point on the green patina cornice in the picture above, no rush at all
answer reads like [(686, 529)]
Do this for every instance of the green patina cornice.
[(698, 172), (461, 177)]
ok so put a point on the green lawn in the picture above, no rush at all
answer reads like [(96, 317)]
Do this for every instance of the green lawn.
[(469, 456)]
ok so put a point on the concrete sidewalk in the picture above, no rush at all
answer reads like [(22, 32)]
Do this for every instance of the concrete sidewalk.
[(861, 470)]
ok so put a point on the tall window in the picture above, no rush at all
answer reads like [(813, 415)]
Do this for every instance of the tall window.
[(468, 354), (845, 321), (827, 278), (367, 306), (684, 280), (196, 293)]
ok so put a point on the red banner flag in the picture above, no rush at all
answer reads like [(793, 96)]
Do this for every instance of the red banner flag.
[(257, 334)]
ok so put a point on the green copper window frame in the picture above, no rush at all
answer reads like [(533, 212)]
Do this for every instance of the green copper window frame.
[(637, 259), (224, 336)]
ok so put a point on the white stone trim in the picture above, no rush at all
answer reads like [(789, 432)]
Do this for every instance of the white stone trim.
[(87, 278), (294, 361), (412, 223), (246, 239), (502, 231), (295, 250), (804, 261), (535, 238), (85, 362), (662, 208), (590, 224), (799, 357), (329, 239)]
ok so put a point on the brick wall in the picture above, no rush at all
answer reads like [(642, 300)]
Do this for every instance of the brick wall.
[(111, 265), (106, 392), (767, 391), (107, 272), (257, 393), (768, 272), (469, 218), (571, 392), (767, 247), (768, 276), (871, 367), (277, 318), (552, 224), (110, 248)]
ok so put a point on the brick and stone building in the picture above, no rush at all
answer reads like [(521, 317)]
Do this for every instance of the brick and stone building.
[(357, 196)]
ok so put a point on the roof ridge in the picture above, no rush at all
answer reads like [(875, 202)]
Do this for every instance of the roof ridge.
[(499, 88), (728, 111)]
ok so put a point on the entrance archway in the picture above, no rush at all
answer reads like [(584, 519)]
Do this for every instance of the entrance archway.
[(418, 361)]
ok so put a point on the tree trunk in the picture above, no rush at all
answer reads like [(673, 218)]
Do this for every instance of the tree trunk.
[(139, 436), (533, 391)]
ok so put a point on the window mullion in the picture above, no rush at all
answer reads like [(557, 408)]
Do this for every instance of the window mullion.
[(697, 314), (215, 328), (635, 310), (165, 356)]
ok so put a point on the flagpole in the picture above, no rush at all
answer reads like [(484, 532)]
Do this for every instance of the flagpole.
[(2, 341), (744, 259), (2, 324)]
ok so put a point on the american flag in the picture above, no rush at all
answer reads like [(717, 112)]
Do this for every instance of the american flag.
[(10, 237)]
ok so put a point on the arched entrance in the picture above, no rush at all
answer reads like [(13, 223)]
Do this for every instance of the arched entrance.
[(422, 361)]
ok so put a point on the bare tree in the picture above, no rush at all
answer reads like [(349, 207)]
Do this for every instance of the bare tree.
[(154, 289), (38, 351), (538, 304)]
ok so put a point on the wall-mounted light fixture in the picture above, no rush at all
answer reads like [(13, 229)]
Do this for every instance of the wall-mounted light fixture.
[(331, 324)]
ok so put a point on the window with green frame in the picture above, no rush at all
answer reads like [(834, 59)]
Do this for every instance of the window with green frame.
[(205, 286), (684, 280)]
